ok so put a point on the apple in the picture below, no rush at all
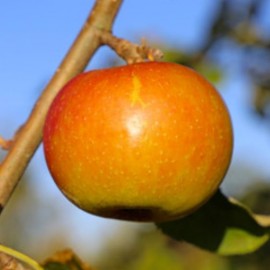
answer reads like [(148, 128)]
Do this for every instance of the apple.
[(148, 141)]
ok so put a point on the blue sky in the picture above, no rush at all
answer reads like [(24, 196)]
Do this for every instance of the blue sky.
[(35, 35)]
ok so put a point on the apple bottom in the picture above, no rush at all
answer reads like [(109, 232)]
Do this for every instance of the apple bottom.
[(134, 213)]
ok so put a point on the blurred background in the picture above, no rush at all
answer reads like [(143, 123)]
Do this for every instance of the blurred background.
[(228, 41)]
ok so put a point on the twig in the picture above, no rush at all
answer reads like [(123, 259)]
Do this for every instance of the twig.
[(29, 138), (11, 259), (130, 52), (5, 144)]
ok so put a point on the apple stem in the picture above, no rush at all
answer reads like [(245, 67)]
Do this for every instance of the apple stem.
[(25, 143), (130, 52)]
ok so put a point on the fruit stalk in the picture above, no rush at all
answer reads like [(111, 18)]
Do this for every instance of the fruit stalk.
[(29, 137), (130, 52)]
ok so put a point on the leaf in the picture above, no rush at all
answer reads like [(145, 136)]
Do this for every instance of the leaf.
[(211, 71), (220, 226), (174, 55)]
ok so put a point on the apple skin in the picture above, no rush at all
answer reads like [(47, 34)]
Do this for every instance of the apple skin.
[(145, 142)]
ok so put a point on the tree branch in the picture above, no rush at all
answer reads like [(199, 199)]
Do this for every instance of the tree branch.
[(28, 139)]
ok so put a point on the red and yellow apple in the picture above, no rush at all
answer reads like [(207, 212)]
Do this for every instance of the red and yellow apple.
[(146, 142)]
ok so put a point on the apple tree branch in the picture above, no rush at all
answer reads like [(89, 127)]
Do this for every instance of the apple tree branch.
[(27, 140)]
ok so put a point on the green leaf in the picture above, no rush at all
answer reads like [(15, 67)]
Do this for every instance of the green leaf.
[(220, 226), (211, 71), (173, 55)]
